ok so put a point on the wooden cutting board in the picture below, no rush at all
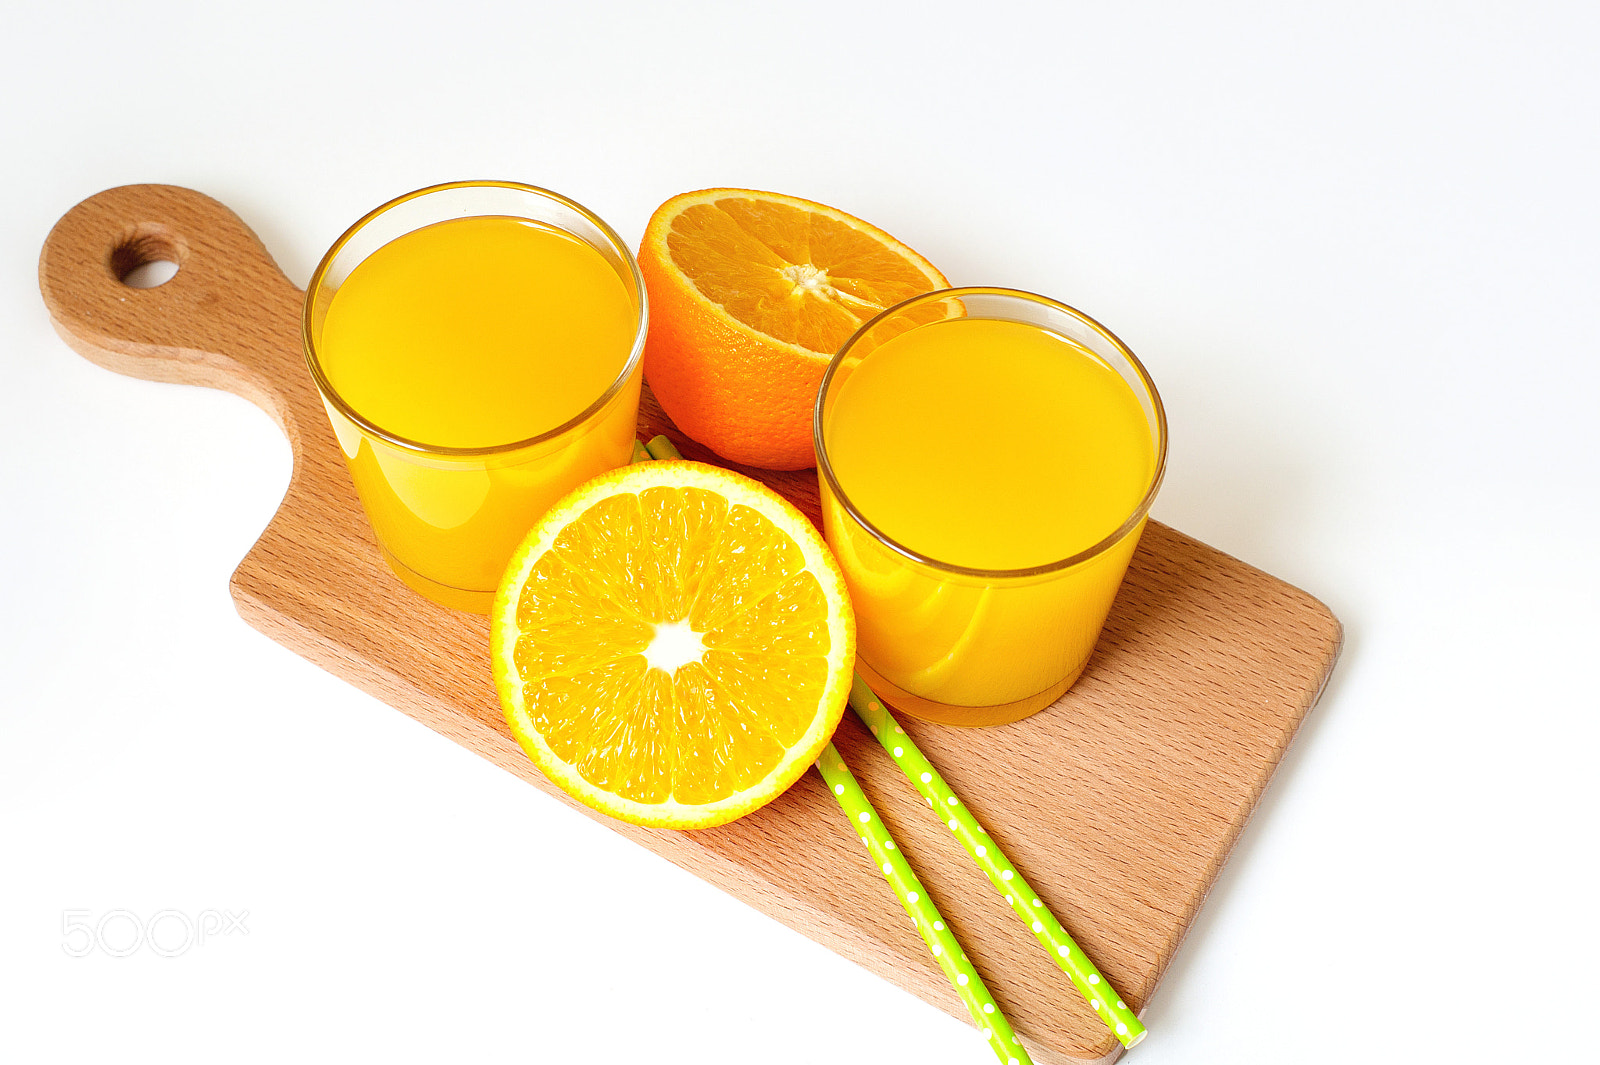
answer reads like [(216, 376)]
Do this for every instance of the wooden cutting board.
[(1119, 804)]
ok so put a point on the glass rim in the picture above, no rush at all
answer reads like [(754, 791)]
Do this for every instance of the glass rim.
[(1140, 512), (329, 393)]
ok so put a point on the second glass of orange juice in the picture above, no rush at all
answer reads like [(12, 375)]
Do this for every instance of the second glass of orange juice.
[(477, 348), (987, 459)]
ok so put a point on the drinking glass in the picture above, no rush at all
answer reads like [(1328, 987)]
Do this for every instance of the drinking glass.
[(956, 644), (447, 518)]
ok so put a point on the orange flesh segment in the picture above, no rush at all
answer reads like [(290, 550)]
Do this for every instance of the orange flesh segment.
[(714, 727), (795, 275)]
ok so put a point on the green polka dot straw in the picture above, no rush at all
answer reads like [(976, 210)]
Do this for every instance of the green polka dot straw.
[(888, 858), (1025, 903), (924, 914)]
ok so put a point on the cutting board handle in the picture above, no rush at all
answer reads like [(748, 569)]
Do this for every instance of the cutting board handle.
[(227, 319)]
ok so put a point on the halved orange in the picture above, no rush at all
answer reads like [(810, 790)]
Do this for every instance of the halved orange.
[(673, 644), (751, 293)]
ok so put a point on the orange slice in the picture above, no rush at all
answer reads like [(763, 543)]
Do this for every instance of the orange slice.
[(673, 644), (751, 293)]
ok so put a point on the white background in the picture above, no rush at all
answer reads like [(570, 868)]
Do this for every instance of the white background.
[(1356, 245)]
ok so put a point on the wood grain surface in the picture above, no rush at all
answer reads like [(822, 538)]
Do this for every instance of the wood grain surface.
[(1119, 804)]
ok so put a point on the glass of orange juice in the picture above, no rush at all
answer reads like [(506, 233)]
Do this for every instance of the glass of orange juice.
[(987, 460), (477, 347)]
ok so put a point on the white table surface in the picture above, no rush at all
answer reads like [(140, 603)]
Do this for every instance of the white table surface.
[(1358, 248)]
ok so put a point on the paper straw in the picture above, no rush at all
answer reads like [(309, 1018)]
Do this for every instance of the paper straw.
[(660, 447), (1027, 905), (891, 861)]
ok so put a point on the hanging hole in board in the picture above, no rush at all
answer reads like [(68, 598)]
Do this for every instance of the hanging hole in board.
[(148, 255)]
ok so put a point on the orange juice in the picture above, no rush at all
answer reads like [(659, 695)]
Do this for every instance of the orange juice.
[(477, 332), (475, 369), (985, 484)]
